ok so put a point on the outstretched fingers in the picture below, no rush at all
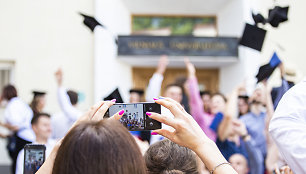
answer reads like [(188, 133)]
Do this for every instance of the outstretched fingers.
[(102, 109), (118, 115), (175, 108), (162, 118), (166, 133)]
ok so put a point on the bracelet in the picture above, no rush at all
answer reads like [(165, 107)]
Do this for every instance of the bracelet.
[(213, 170)]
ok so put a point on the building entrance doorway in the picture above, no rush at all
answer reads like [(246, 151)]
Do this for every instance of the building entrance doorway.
[(208, 78)]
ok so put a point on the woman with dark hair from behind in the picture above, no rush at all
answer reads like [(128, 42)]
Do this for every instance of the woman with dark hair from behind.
[(89, 148), (18, 116), (166, 157), (96, 146)]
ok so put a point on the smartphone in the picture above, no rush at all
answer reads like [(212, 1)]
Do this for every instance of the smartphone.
[(134, 117), (34, 157)]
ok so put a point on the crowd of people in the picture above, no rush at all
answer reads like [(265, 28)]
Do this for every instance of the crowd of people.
[(202, 132), (132, 122)]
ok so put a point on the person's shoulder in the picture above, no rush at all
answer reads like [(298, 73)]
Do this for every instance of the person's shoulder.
[(52, 142), (58, 115), (13, 102), (298, 89), (246, 117)]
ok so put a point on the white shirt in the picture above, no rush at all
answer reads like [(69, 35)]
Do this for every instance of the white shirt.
[(154, 87), (18, 113), (60, 125), (62, 122), (20, 159), (153, 90), (165, 112), (288, 127)]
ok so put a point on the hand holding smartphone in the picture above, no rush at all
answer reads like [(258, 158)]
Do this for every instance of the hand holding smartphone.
[(134, 117), (34, 157)]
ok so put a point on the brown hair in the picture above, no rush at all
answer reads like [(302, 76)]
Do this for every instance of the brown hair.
[(73, 96), (97, 148), (34, 104), (173, 85), (166, 157), (9, 92), (37, 116)]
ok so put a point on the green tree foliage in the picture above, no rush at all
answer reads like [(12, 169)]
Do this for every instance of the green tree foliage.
[(178, 25)]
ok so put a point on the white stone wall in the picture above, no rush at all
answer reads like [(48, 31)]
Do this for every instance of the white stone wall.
[(109, 71), (40, 36)]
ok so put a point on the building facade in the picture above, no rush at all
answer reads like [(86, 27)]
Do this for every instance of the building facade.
[(36, 38)]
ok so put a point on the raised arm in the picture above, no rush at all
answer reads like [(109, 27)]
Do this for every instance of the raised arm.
[(256, 159), (156, 80), (225, 127), (95, 113), (70, 111), (269, 106), (195, 101), (189, 134)]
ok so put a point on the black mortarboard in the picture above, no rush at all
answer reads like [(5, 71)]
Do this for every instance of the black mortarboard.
[(90, 22), (266, 70), (138, 91), (115, 95), (278, 15), (253, 37), (243, 97), (258, 18), (38, 93), (205, 93)]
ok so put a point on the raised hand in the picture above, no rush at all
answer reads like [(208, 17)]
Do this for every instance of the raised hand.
[(188, 133), (162, 64), (190, 68), (97, 112), (239, 128), (59, 77)]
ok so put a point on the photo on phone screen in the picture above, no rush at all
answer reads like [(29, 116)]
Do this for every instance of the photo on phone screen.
[(34, 157), (134, 117)]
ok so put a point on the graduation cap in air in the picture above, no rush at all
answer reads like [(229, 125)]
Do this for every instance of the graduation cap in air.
[(266, 70), (258, 18), (253, 37), (38, 93), (90, 22), (138, 91), (115, 95), (278, 15)]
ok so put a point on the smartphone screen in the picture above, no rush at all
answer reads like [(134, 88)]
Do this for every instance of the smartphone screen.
[(34, 157), (135, 118)]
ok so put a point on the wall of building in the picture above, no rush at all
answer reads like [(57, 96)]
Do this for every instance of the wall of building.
[(231, 22), (108, 69), (39, 37)]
